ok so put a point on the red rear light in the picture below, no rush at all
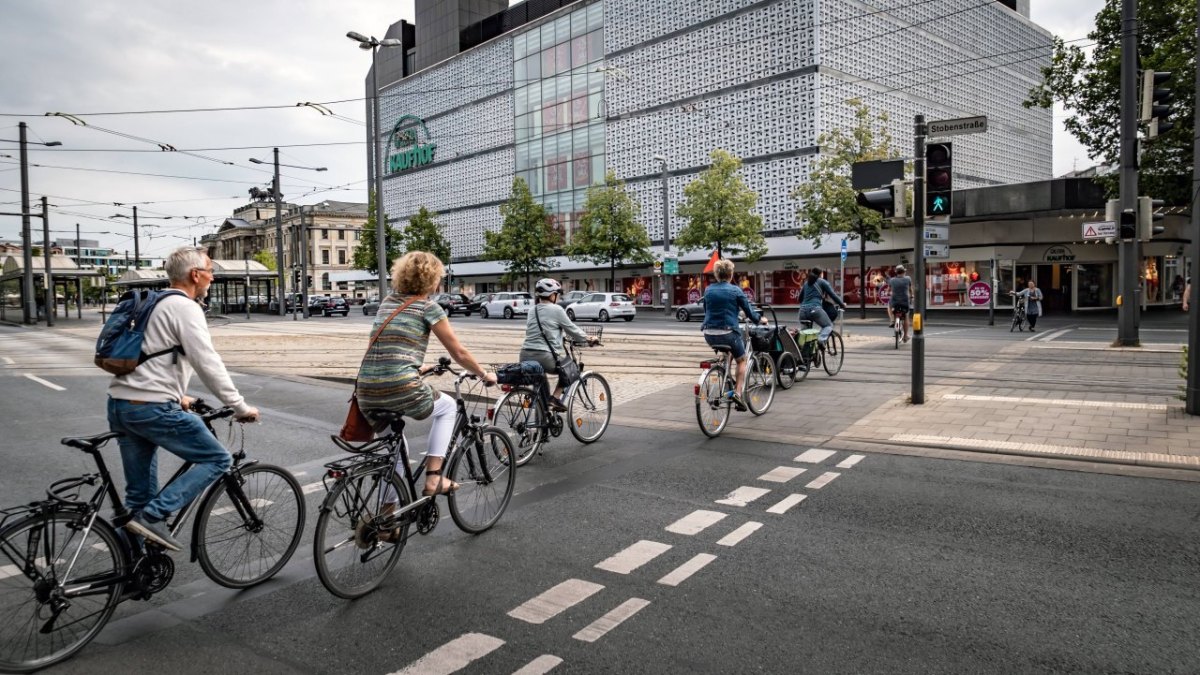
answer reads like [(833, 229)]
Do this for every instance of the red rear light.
[(335, 473), (503, 387), (696, 389), (705, 365), (514, 303), (491, 414)]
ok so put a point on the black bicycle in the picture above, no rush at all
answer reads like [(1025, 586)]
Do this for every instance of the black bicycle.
[(813, 353), (366, 516), (64, 568)]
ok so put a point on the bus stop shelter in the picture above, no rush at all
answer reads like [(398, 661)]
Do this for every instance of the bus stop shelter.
[(65, 278)]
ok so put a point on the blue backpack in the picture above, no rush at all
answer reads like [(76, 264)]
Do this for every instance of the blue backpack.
[(119, 347)]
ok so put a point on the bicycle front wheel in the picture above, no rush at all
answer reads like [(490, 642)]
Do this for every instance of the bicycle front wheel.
[(358, 541), (760, 383), (712, 408), (41, 625), (590, 408), (249, 525), (833, 354), (518, 412), (485, 471)]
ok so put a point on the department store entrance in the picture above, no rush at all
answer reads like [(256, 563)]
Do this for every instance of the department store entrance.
[(1054, 280)]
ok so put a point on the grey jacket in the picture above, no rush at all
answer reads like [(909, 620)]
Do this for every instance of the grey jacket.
[(555, 323)]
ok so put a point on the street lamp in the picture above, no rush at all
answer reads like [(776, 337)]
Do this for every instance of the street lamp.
[(666, 229), (375, 166), (28, 303), (279, 222)]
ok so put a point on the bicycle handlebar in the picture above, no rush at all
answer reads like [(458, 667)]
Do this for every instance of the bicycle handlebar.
[(209, 413)]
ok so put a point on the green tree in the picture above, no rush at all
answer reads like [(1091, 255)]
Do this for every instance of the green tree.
[(717, 206), (365, 257), (266, 258), (609, 233), (1087, 82), (424, 234), (526, 239), (828, 201)]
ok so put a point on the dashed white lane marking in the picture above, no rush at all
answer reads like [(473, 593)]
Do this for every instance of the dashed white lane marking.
[(781, 474), (743, 496), (257, 502), (735, 537), (598, 628), (1056, 401), (298, 474), (687, 569), (7, 571), (555, 601), (1057, 334), (7, 361), (628, 560), (695, 522), (312, 487), (542, 664), (44, 383), (822, 480), (454, 655), (850, 461), (814, 456), (787, 503)]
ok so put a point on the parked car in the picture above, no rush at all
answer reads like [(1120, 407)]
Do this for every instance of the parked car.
[(371, 306), (507, 305), (692, 310), (453, 302), (327, 305), (602, 307), (570, 297), (478, 302)]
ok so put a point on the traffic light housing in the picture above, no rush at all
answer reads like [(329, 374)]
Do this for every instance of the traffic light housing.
[(890, 201), (309, 280), (1147, 218), (1127, 224), (295, 277), (1156, 102), (939, 180)]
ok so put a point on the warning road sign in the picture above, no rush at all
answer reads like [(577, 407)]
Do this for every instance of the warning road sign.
[(1099, 230)]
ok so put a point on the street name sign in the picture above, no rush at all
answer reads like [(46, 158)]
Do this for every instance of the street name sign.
[(1100, 230), (957, 127), (937, 250), (937, 232)]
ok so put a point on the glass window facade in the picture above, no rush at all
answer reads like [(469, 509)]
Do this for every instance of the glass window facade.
[(558, 103)]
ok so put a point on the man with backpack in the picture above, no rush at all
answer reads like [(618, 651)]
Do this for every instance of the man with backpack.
[(148, 403)]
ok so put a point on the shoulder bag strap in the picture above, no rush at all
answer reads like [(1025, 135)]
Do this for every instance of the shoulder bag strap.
[(380, 331), (553, 354)]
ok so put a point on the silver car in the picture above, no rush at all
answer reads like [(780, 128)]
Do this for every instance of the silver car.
[(603, 307)]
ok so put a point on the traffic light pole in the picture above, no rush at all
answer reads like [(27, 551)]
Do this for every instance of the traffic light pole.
[(918, 285), (1193, 356), (1127, 330), (279, 239)]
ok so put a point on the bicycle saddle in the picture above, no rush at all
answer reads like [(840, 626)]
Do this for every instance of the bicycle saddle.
[(721, 348), (90, 443), (382, 416)]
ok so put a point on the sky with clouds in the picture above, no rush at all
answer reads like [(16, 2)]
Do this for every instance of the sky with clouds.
[(100, 56)]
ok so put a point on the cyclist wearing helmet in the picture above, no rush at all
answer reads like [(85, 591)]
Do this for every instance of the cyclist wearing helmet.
[(540, 339)]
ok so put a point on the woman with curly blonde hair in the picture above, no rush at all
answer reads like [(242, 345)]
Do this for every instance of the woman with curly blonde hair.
[(390, 375)]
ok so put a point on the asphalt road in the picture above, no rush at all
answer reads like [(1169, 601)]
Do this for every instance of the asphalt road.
[(895, 564)]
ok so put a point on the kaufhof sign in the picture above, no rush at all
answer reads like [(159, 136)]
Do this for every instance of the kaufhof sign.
[(410, 141)]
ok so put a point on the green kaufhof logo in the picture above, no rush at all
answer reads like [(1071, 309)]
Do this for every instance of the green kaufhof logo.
[(410, 139)]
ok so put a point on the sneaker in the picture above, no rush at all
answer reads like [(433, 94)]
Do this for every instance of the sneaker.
[(156, 532), (556, 404), (737, 401)]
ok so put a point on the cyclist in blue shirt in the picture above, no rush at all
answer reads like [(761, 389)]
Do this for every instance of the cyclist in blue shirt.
[(815, 288), (722, 302)]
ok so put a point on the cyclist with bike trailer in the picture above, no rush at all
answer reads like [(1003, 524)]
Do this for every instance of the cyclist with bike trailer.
[(901, 287), (389, 378), (149, 405), (813, 293), (722, 302), (545, 328)]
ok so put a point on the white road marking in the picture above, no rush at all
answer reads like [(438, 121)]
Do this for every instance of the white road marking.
[(781, 474), (598, 628), (823, 480), (542, 664), (312, 487), (454, 655), (687, 569), (788, 502), (850, 461), (628, 560), (743, 496), (1051, 337), (555, 601), (695, 522), (814, 456), (735, 537), (7, 361), (1056, 401), (7, 571), (257, 502), (40, 381), (1144, 458)]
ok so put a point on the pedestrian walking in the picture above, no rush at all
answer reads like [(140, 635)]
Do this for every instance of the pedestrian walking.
[(1033, 304)]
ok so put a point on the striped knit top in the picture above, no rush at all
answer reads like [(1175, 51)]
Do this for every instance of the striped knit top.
[(388, 377)]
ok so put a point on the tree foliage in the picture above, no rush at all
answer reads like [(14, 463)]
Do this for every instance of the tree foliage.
[(828, 201), (365, 256), (424, 234), (526, 240), (717, 207), (609, 233), (1087, 82), (266, 259)]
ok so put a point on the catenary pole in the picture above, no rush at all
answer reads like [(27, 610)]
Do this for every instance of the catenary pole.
[(78, 280), (279, 238), (1127, 331), (137, 250), (380, 225), (49, 276), (29, 302)]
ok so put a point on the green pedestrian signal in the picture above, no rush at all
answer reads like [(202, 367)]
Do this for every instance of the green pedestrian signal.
[(939, 206)]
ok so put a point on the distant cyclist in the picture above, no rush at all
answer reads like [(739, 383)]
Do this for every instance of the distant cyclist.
[(722, 301), (813, 293), (899, 305)]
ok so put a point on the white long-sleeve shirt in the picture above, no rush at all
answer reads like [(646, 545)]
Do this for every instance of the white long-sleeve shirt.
[(177, 321)]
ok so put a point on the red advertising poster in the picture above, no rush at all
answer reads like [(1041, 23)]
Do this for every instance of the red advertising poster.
[(747, 283), (688, 288), (638, 289), (785, 287)]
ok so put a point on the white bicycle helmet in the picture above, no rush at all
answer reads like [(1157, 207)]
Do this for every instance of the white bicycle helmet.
[(547, 287)]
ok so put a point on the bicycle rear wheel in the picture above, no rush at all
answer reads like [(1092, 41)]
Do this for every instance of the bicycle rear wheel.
[(486, 475), (712, 408), (357, 541), (787, 369), (249, 525), (760, 383), (32, 634), (518, 412), (589, 409), (833, 354)]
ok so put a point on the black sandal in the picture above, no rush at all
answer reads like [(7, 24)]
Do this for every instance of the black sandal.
[(433, 493)]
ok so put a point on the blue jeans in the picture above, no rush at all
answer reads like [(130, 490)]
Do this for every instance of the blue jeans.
[(732, 340), (818, 316), (148, 426)]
